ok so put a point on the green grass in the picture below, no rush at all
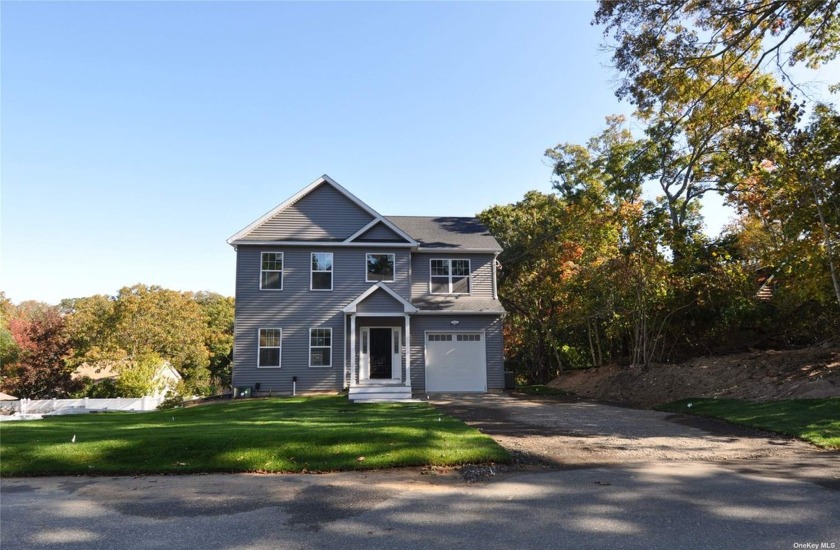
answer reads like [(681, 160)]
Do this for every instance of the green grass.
[(313, 434), (814, 420)]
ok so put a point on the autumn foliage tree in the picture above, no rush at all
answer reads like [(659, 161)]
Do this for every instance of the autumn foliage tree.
[(40, 369)]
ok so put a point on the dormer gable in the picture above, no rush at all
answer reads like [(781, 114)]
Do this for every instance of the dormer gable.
[(377, 232)]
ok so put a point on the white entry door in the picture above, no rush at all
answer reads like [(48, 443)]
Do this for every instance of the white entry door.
[(455, 362)]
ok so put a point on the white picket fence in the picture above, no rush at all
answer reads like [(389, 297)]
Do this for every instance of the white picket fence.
[(71, 406)]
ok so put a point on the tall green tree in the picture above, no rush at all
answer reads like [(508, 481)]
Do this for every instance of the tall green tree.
[(218, 313)]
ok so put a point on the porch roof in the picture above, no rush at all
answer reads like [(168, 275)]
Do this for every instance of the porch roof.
[(353, 306)]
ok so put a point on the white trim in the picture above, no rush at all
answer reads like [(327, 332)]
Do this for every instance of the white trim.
[(331, 271), (353, 381), (279, 347), (352, 306), (393, 267), (381, 219), (282, 270), (306, 190), (376, 314), (311, 244), (407, 349), (311, 366), (458, 312), (450, 260), (396, 354)]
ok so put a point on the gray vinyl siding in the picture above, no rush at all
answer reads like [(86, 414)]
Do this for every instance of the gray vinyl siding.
[(323, 214), (492, 327), (380, 301), (379, 233), (295, 310), (481, 273)]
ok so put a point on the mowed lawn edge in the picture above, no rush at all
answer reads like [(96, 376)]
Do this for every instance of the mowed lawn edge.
[(816, 421), (274, 435)]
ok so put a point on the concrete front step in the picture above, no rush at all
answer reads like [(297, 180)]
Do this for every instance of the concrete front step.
[(383, 392)]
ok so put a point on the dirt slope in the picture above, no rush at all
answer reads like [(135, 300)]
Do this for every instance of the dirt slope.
[(760, 375)]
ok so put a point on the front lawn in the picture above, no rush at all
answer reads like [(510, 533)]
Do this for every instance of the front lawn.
[(311, 434), (814, 420)]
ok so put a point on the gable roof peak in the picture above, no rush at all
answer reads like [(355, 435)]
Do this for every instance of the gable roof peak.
[(323, 180)]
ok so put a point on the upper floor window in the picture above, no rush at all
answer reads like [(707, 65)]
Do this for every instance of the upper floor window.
[(269, 347), (320, 347), (380, 267), (271, 271), (450, 277), (322, 271)]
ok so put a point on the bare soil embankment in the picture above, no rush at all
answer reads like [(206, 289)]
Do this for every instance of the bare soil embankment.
[(758, 375)]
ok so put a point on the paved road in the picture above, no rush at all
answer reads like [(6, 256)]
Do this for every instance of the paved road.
[(654, 504)]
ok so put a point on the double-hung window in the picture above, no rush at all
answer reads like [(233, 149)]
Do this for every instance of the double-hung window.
[(271, 271), (380, 267), (270, 342), (449, 276), (320, 347), (322, 271)]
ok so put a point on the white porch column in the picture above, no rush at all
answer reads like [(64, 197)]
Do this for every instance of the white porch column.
[(407, 347), (352, 349)]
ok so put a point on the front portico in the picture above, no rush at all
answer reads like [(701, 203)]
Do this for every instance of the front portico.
[(379, 322)]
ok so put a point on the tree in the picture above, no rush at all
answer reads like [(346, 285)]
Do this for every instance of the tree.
[(41, 370), (693, 68), (789, 182), (139, 321), (218, 337), (657, 44)]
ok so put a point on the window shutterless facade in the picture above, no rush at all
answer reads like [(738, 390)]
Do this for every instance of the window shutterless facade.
[(271, 271), (269, 347), (449, 276), (320, 347), (321, 275), (380, 267)]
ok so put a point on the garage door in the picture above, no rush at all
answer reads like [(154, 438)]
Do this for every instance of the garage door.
[(455, 361)]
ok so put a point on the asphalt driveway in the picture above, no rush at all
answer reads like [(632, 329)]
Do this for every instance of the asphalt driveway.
[(570, 432)]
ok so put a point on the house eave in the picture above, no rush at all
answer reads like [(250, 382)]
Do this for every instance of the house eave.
[(336, 244)]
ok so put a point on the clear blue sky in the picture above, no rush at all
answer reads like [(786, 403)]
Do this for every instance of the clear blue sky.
[(137, 137)]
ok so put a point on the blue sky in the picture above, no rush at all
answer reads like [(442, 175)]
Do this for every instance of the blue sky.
[(137, 137)]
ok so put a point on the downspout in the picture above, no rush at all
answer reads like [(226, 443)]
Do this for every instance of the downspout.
[(495, 265), (345, 382)]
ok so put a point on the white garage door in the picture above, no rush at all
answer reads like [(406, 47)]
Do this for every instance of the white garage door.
[(455, 361)]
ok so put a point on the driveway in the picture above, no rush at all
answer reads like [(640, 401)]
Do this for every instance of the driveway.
[(569, 432), (652, 481)]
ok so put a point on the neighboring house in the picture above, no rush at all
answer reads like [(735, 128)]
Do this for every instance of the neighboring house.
[(166, 377), (329, 292)]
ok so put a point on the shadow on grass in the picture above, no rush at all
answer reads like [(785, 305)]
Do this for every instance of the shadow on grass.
[(271, 435)]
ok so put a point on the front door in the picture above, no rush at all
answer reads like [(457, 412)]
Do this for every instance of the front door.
[(380, 353)]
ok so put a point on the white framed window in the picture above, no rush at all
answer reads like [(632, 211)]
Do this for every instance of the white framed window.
[(321, 275), (320, 347), (271, 271), (269, 347), (449, 276), (380, 267)]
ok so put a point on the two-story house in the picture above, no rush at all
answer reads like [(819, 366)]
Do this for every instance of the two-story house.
[(330, 295)]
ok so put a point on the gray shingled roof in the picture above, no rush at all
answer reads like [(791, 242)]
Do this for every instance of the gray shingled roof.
[(447, 232), (456, 304)]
